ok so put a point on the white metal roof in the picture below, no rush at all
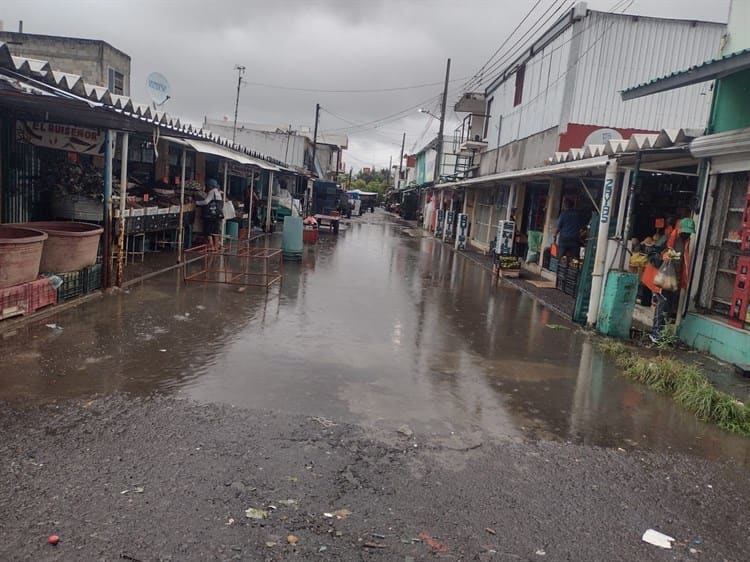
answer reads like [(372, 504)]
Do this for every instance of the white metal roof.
[(589, 157), (33, 76)]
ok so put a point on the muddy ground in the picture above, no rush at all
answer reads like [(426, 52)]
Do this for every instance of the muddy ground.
[(161, 478)]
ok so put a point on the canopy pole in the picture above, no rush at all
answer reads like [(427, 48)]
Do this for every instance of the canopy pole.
[(270, 202), (107, 252), (181, 227), (250, 206), (123, 198), (600, 259), (224, 198)]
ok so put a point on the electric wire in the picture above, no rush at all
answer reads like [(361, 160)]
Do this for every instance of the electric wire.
[(350, 91), (523, 42), (468, 84)]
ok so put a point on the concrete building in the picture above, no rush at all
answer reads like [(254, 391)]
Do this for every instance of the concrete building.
[(562, 92), (293, 147), (97, 62)]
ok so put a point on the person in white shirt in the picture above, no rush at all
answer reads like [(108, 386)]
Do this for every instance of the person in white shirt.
[(212, 212)]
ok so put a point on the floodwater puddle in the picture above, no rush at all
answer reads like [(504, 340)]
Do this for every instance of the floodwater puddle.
[(372, 327)]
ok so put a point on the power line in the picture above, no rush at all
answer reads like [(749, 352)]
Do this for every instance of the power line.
[(523, 42), (349, 91), (616, 6), (377, 122), (569, 68), (497, 51)]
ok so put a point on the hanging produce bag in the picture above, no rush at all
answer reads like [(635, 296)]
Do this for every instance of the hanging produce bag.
[(666, 277)]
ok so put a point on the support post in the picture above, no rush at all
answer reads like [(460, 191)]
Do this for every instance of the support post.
[(107, 257), (123, 198), (400, 161), (600, 260), (181, 227), (224, 198), (631, 207), (270, 202), (250, 207), (439, 155), (315, 138)]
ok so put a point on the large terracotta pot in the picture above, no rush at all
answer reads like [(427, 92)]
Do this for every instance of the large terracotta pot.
[(71, 245), (20, 254)]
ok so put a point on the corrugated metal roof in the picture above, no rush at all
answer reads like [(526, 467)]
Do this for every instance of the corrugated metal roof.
[(705, 71), (592, 156), (614, 52), (35, 77)]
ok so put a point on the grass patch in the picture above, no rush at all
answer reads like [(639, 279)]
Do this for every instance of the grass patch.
[(685, 383)]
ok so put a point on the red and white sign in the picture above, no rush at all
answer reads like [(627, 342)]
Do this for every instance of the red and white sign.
[(61, 137)]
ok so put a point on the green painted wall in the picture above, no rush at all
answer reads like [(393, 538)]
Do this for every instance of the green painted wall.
[(717, 338), (421, 172), (731, 109)]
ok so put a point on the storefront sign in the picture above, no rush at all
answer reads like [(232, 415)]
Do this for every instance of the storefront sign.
[(240, 170), (608, 185), (61, 137)]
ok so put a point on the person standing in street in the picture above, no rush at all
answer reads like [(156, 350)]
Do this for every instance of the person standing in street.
[(567, 234), (212, 211)]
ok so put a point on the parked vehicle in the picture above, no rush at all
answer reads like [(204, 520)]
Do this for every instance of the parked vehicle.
[(367, 200)]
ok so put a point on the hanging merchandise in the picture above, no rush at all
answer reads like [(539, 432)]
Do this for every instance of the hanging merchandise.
[(666, 277)]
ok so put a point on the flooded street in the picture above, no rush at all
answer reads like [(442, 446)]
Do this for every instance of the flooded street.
[(386, 402), (375, 327)]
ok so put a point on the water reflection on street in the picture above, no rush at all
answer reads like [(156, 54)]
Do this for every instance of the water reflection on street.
[(375, 326)]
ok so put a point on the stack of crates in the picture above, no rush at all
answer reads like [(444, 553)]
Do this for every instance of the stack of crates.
[(71, 287), (26, 298), (738, 311), (76, 283)]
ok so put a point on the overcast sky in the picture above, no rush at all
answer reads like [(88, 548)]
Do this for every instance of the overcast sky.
[(312, 44)]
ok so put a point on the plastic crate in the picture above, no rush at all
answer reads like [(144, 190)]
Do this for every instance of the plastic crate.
[(41, 293), (92, 278), (14, 301), (134, 225), (745, 240), (746, 211), (152, 223), (738, 309), (72, 285)]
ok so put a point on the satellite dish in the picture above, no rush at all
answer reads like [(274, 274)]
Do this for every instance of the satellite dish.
[(158, 88)]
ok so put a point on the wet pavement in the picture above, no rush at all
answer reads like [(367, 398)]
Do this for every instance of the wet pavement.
[(374, 327)]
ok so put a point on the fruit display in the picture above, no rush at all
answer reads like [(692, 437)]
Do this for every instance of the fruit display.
[(509, 262)]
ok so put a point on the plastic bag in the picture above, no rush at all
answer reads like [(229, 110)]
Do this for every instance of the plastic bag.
[(666, 277), (228, 211)]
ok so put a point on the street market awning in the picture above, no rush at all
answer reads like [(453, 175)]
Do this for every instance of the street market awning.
[(710, 70), (214, 149), (588, 164)]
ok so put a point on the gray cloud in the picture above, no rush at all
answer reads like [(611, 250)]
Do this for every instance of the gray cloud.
[(319, 44)]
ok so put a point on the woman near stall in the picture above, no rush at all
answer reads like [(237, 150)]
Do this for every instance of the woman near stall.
[(665, 301), (212, 211)]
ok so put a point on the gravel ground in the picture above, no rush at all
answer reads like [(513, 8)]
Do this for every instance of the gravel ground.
[(164, 479)]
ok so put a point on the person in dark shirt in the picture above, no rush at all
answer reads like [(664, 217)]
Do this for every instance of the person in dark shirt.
[(567, 235)]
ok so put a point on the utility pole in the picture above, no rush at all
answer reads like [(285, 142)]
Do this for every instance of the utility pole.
[(401, 161), (240, 72), (315, 136), (388, 177), (439, 156)]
